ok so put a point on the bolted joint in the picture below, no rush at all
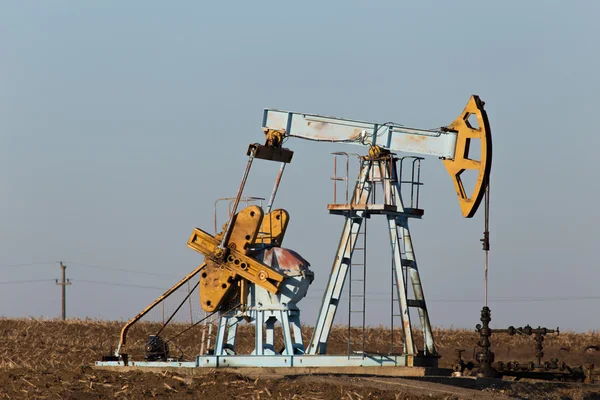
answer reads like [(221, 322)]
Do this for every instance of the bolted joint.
[(485, 331), (274, 137), (485, 241), (486, 315), (486, 357), (219, 254), (376, 152)]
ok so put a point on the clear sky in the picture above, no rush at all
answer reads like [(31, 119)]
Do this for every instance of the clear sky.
[(122, 122)]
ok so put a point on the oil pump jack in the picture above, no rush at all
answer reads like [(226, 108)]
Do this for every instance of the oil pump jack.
[(247, 275)]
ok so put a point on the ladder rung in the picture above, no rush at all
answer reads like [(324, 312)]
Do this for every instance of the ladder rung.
[(412, 182), (415, 303), (408, 263)]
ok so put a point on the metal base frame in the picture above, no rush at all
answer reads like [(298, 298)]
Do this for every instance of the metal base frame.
[(264, 321), (296, 361)]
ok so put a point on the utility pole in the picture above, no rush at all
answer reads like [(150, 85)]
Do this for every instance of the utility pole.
[(64, 284)]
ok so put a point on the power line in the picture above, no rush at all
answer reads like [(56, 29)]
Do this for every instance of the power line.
[(28, 264), (507, 299), (120, 284), (497, 299), (133, 271), (121, 269), (26, 281)]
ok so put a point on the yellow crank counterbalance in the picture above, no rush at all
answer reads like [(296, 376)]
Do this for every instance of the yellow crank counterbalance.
[(225, 270), (461, 162)]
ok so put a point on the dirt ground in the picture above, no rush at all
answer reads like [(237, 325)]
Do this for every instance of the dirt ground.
[(47, 359)]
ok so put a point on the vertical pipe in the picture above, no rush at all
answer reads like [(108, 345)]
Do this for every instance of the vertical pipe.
[(364, 306), (372, 182), (392, 312), (392, 307), (334, 178), (418, 182), (486, 239), (412, 185), (399, 184), (384, 181), (347, 175), (350, 301)]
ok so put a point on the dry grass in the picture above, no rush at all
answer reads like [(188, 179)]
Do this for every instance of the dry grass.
[(39, 344), (48, 359)]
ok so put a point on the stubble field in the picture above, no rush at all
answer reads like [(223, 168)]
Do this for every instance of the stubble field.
[(52, 359)]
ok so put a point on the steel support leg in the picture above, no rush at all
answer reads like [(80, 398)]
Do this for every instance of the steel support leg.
[(294, 319), (409, 347), (287, 336), (417, 288), (318, 342), (232, 332), (258, 333), (269, 346), (220, 339)]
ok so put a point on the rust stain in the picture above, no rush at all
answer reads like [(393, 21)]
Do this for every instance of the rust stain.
[(356, 133), (319, 131), (318, 125), (416, 138), (283, 259)]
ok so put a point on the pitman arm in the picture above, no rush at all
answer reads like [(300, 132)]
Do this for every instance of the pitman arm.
[(450, 143)]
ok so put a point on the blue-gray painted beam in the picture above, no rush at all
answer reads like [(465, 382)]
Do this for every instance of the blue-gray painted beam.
[(394, 137)]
